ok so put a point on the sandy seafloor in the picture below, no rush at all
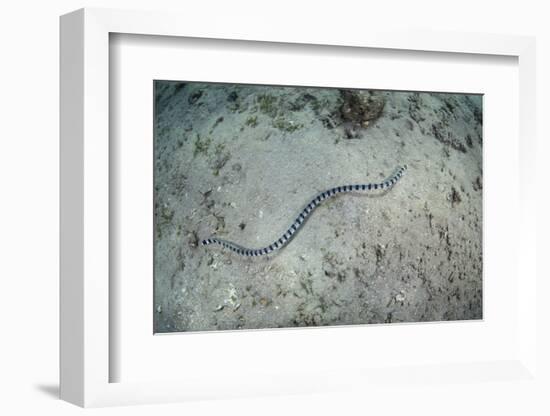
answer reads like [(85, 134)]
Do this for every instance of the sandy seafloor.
[(240, 162)]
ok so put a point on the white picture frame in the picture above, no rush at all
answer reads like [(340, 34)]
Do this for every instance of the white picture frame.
[(85, 165)]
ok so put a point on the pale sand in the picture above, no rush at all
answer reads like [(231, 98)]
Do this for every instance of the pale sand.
[(241, 167)]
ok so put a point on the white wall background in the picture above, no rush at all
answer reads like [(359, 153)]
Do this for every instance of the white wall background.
[(29, 206)]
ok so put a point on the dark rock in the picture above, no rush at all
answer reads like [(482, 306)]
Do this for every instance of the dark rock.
[(360, 108)]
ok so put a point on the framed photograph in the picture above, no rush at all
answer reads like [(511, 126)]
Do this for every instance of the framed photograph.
[(278, 213)]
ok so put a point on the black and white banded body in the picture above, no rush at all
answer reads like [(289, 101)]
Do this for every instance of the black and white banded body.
[(299, 221)]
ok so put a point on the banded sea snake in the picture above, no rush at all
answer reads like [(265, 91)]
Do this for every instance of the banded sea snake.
[(298, 222)]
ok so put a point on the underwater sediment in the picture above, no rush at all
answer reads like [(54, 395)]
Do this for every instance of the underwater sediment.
[(239, 162)]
